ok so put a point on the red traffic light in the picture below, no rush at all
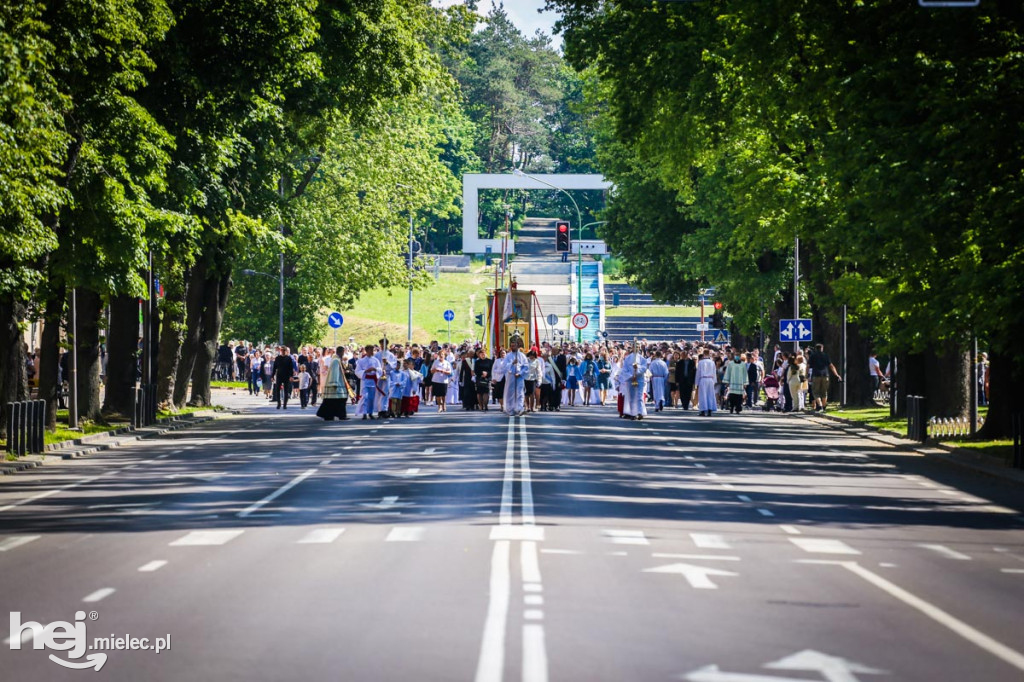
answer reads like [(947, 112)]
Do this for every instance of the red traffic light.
[(562, 227), (718, 305)]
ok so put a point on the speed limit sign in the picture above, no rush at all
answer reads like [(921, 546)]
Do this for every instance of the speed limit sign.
[(580, 320)]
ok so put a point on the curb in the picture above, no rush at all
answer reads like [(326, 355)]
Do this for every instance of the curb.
[(960, 457), (100, 442)]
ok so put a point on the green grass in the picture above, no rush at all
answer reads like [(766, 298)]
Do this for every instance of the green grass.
[(384, 312), (228, 384), (655, 311), (63, 434), (877, 417)]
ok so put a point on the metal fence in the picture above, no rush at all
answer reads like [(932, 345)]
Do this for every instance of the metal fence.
[(26, 422), (917, 418)]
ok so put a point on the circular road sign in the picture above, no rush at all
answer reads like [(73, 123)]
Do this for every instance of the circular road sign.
[(604, 334), (449, 315), (580, 320), (552, 319), (335, 320)]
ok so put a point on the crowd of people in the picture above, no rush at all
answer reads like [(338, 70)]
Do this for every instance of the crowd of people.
[(394, 380)]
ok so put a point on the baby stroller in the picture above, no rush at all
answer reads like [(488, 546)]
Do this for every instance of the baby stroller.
[(771, 393)]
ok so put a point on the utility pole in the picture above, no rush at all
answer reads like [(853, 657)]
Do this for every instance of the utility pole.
[(796, 288)]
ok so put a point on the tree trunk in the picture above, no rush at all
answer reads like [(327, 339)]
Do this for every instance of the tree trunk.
[(1006, 373), (948, 377), (122, 356), (172, 325), (213, 315), (13, 378), (90, 307), (195, 284), (49, 354)]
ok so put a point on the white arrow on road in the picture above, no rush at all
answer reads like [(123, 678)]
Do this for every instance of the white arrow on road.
[(697, 576), (711, 673), (832, 668), (387, 503)]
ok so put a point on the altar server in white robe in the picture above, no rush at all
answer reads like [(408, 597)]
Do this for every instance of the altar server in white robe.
[(369, 371), (513, 367), (707, 376), (634, 383), (659, 374)]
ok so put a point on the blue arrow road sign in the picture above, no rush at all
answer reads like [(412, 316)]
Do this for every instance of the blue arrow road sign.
[(335, 320), (449, 315), (796, 330)]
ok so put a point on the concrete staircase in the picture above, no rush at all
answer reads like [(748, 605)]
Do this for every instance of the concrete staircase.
[(669, 329)]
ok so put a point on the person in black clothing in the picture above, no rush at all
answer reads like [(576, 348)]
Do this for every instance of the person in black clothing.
[(467, 381), (561, 364), (686, 372), (821, 367), (483, 368), (284, 370)]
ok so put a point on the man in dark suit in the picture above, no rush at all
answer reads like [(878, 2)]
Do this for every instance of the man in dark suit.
[(284, 370), (562, 363), (686, 372)]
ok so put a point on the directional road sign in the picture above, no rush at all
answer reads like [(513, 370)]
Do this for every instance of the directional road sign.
[(796, 330), (552, 319), (580, 320), (449, 315), (335, 320)]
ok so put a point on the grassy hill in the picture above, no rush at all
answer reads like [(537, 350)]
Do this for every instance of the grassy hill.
[(384, 312)]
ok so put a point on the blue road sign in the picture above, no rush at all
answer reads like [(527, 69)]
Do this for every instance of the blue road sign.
[(449, 315), (335, 320), (721, 336), (796, 330)]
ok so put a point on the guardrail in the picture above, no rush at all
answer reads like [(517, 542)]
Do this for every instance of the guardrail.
[(26, 423), (917, 418)]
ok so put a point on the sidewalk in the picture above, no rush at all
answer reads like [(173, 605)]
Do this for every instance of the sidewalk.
[(961, 457), (230, 402)]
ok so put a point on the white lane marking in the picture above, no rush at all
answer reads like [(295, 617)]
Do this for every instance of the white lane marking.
[(430, 451), (533, 614), (411, 472), (699, 557), (533, 587), (697, 576), (529, 562), (561, 551), (163, 456), (709, 541), (926, 484), (48, 493), (321, 536), (688, 457), (277, 493), (887, 565), (728, 486), (99, 595), (492, 649), (527, 481), (505, 517), (206, 537), (946, 552), (765, 512), (535, 533), (152, 566), (325, 462), (1011, 570), (406, 534), (743, 498), (699, 465), (618, 553), (792, 530), (972, 635), (626, 537), (711, 474), (533, 600), (11, 543), (823, 546)]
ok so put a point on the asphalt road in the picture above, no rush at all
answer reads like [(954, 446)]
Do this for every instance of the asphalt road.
[(562, 546)]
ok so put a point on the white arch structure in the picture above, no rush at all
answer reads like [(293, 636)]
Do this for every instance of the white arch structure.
[(472, 183)]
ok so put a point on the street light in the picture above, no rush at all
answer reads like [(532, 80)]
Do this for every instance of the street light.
[(280, 307), (579, 245)]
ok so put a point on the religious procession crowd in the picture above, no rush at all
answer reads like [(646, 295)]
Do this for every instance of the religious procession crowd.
[(395, 380)]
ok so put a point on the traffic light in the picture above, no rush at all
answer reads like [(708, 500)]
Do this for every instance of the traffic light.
[(562, 239), (717, 320)]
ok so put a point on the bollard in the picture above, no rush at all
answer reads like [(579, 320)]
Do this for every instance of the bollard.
[(917, 420), (11, 421), (1017, 430), (30, 427), (41, 426), (22, 423)]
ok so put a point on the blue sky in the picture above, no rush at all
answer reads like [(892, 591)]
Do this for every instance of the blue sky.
[(523, 14)]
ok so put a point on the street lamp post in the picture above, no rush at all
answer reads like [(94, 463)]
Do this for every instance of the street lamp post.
[(579, 250), (280, 307)]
